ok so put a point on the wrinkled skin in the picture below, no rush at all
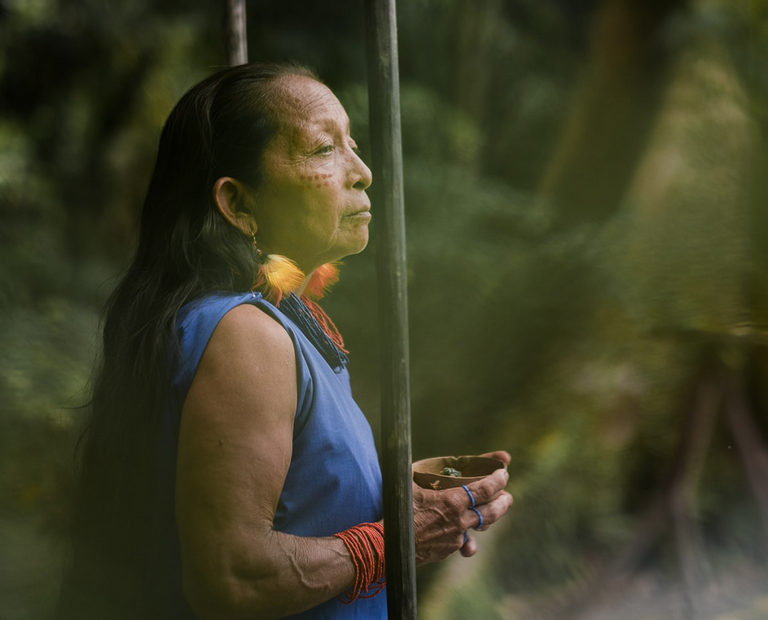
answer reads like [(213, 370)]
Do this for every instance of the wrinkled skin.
[(440, 518), (237, 421)]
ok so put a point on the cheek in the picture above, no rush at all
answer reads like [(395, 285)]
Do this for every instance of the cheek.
[(316, 181)]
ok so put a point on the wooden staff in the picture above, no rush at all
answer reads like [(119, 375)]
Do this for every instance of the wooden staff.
[(234, 32), (387, 160)]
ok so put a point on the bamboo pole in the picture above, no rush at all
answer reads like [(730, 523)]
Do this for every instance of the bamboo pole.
[(234, 32), (387, 193)]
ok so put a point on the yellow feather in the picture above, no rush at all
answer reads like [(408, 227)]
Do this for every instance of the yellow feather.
[(278, 276)]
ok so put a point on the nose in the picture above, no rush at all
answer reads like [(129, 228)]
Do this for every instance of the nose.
[(361, 174)]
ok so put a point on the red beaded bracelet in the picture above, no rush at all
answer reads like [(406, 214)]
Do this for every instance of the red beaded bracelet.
[(365, 543)]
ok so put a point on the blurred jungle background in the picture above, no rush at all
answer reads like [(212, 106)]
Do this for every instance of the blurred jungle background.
[(586, 190)]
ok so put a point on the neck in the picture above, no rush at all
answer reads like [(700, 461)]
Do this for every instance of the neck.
[(300, 291)]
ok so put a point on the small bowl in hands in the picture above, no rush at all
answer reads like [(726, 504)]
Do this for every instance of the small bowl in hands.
[(427, 474)]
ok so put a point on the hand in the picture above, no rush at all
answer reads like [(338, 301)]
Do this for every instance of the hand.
[(441, 518), (469, 548)]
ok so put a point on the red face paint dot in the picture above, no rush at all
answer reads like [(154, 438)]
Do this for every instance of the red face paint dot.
[(318, 185), (326, 183), (317, 176)]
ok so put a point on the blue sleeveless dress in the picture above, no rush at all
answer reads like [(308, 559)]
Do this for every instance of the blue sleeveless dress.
[(334, 480)]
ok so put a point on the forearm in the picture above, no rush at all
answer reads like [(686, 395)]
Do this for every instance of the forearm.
[(275, 576)]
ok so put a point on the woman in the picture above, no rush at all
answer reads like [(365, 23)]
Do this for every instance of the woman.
[(227, 472)]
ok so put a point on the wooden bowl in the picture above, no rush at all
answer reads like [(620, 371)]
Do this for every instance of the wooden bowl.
[(427, 474)]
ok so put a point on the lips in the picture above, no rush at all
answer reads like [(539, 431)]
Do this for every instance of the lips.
[(366, 212)]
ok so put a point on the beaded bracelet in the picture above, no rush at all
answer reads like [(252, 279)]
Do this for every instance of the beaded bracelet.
[(365, 543)]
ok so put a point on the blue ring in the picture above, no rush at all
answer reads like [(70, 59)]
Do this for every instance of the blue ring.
[(466, 536), (471, 497), (479, 516)]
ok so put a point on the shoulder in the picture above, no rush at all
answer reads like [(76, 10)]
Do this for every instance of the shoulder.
[(248, 322), (247, 371), (248, 331)]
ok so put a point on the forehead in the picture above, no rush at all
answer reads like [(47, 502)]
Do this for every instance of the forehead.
[(304, 105)]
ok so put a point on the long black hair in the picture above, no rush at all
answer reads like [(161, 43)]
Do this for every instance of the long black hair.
[(221, 127)]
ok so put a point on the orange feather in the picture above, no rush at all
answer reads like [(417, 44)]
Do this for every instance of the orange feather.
[(321, 280)]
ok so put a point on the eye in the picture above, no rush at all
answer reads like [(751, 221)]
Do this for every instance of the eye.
[(325, 149)]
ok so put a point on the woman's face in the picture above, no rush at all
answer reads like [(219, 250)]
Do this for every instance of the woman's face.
[(312, 206)]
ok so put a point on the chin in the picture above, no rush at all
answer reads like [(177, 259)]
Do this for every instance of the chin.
[(351, 245), (356, 245), (362, 245)]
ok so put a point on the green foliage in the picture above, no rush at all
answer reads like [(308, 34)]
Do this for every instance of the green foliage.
[(573, 347)]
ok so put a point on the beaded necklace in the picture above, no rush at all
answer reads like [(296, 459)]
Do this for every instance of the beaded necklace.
[(318, 328)]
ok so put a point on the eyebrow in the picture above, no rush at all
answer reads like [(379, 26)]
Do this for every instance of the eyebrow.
[(327, 121)]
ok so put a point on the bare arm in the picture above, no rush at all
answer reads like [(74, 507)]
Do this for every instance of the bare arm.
[(235, 448), (234, 452)]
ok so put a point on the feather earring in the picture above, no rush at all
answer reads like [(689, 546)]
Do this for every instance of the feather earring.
[(321, 280), (276, 276)]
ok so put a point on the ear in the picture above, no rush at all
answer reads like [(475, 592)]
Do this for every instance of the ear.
[(236, 204)]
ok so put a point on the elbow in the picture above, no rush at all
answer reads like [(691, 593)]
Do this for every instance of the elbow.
[(212, 598), (229, 598)]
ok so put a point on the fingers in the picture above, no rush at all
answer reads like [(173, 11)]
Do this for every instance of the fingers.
[(499, 455), (483, 517), (441, 518), (469, 548), (486, 489)]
